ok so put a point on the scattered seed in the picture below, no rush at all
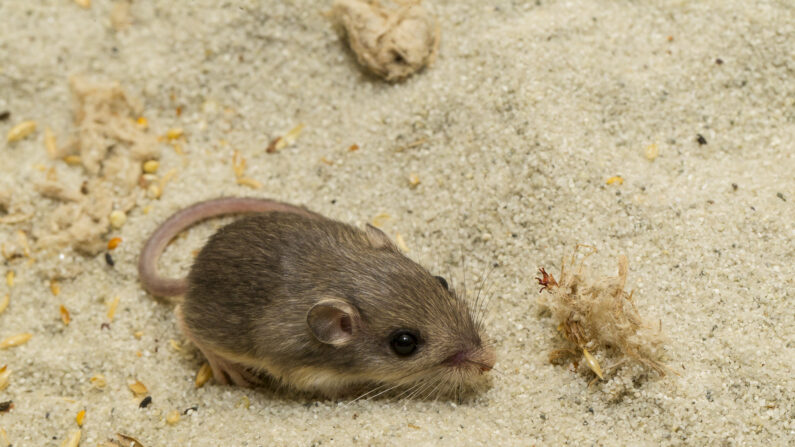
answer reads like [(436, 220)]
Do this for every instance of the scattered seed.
[(592, 363), (138, 388), (109, 259), (326, 161), (173, 134), (74, 437), (142, 122), (21, 131), (205, 373), (414, 180), (118, 218), (6, 406), (244, 402), (615, 179), (238, 164), (112, 305), (380, 220), (175, 345), (81, 416), (113, 243), (293, 134), (5, 377), (145, 403), (275, 145), (150, 167), (353, 147), (4, 302), (130, 441), (178, 148), (10, 278), (55, 287), (15, 340), (138, 334), (415, 427), (701, 140), (98, 381), (154, 191), (250, 182), (652, 151), (84, 3), (49, 143), (72, 160), (401, 243), (172, 417), (65, 315)]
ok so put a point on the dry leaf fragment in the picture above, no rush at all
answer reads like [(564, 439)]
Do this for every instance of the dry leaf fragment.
[(15, 340), (138, 388), (204, 374), (112, 305), (65, 315), (21, 131), (130, 441), (73, 440), (81, 416)]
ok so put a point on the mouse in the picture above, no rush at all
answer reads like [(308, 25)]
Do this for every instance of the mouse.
[(287, 296)]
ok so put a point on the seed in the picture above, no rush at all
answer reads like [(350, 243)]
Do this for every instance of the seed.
[(172, 417), (5, 377), (292, 134), (145, 403), (113, 243), (175, 345), (153, 192), (238, 164), (74, 438), (112, 305), (10, 278), (150, 167), (615, 179), (173, 134), (117, 218), (15, 340), (55, 287), (652, 151), (142, 122), (353, 147), (244, 402), (65, 315), (380, 220), (138, 334), (592, 363), (204, 374), (401, 243), (98, 381), (84, 3), (138, 388), (250, 182), (109, 259), (72, 160), (49, 142), (81, 415), (21, 131), (414, 180), (4, 302)]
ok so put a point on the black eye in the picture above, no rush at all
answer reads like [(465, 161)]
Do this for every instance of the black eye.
[(442, 281), (404, 343)]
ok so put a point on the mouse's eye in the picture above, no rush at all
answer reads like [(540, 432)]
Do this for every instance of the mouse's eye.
[(443, 282), (404, 343)]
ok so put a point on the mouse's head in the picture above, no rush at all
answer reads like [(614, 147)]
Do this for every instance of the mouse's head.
[(398, 325)]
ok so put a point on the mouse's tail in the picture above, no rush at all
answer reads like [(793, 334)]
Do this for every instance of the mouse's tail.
[(147, 262)]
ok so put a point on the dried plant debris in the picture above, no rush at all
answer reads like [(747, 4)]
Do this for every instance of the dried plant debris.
[(392, 42), (111, 147), (598, 318)]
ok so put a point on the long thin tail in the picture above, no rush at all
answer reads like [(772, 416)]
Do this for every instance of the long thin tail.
[(147, 261)]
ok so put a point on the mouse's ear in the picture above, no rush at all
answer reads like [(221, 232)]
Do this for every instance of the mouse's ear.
[(333, 321), (377, 238)]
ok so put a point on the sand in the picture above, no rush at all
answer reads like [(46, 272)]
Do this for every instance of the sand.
[(513, 133)]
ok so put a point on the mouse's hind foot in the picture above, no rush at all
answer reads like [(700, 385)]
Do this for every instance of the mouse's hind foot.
[(225, 371)]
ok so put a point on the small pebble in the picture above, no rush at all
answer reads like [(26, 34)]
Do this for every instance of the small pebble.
[(118, 218)]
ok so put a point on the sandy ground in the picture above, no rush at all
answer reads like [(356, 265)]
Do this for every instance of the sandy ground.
[(513, 133)]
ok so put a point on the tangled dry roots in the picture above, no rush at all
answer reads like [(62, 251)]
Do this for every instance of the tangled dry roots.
[(393, 43), (598, 315)]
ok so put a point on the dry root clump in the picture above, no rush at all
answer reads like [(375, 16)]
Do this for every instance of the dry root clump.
[(597, 314), (393, 43), (111, 147)]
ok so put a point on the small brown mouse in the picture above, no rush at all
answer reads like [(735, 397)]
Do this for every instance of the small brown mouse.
[(317, 305)]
